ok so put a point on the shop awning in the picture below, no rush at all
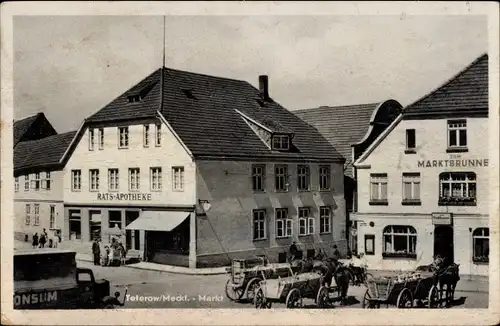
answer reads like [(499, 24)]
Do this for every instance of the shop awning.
[(158, 221)]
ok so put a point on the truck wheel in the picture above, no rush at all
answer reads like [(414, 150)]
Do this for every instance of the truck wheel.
[(109, 306)]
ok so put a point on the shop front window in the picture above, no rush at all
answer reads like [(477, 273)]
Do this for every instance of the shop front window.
[(400, 241)]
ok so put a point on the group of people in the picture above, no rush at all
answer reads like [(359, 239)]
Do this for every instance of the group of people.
[(318, 255), (42, 240), (114, 254)]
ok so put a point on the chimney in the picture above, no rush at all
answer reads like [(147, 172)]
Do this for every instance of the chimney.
[(264, 87)]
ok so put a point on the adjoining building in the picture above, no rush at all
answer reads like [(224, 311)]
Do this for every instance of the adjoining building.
[(31, 128), (194, 170), (423, 184), (351, 129), (38, 192)]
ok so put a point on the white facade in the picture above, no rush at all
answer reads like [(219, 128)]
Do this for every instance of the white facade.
[(115, 171), (38, 203), (404, 189)]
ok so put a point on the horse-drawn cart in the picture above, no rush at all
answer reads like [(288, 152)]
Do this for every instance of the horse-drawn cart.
[(291, 290), (402, 291), (245, 275)]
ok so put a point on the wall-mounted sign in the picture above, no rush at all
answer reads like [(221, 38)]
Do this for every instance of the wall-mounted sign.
[(124, 196), (453, 163), (441, 218)]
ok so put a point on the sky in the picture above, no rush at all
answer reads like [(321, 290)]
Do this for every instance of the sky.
[(69, 67)]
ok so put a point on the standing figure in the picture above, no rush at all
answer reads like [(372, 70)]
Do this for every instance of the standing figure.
[(336, 253), (35, 240), (293, 251), (42, 240), (96, 251)]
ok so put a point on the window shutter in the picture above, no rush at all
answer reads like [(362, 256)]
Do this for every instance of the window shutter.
[(44, 184)]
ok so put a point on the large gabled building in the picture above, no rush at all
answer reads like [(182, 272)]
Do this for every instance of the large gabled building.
[(195, 170), (351, 129), (31, 128), (424, 183)]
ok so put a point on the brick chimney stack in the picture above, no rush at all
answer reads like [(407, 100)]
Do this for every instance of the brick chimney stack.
[(264, 87)]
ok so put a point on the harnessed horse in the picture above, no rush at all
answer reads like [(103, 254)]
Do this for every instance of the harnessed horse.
[(444, 275)]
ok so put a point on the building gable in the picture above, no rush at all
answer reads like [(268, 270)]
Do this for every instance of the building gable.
[(32, 128)]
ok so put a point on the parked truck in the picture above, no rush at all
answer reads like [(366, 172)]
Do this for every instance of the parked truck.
[(50, 279)]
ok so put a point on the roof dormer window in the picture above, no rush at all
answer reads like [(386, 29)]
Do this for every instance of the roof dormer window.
[(281, 142), (134, 98)]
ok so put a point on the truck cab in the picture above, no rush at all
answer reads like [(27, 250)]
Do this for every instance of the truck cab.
[(50, 279)]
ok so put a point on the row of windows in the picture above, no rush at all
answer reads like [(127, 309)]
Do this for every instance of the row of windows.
[(281, 177), (455, 188), (123, 137), (36, 215), (134, 179), (402, 240), (457, 136), (284, 223), (40, 181)]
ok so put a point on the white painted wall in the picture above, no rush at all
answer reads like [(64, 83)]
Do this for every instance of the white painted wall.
[(169, 154)]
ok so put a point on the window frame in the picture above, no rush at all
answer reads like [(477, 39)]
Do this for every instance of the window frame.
[(303, 177), (451, 200), (113, 179), (94, 181), (100, 138), (415, 181), (36, 215), (134, 178), (76, 173), (159, 179), (16, 184), (323, 217), (126, 139), (411, 133), (305, 217), (35, 183), (181, 180), (379, 179), (284, 174), (456, 125), (409, 253), (483, 236), (261, 214), (27, 214), (256, 175), (325, 178), (145, 135), (158, 135), (285, 221), (278, 139), (91, 139), (26, 182)]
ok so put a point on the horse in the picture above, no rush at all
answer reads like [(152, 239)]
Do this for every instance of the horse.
[(444, 275), (330, 270)]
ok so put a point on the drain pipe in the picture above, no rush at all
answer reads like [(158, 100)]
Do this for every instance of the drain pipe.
[(471, 254)]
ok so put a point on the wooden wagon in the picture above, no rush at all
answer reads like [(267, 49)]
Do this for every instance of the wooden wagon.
[(291, 290), (402, 291), (245, 275)]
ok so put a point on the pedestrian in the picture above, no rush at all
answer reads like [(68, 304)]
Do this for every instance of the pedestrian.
[(336, 252), (123, 254), (45, 233), (293, 251), (42, 240), (35, 240), (51, 243), (96, 251)]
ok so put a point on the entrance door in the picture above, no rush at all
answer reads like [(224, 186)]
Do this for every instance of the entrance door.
[(443, 242), (131, 236)]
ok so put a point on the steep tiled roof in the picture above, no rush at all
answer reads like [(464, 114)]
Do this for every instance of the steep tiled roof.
[(22, 126), (342, 126), (464, 93), (45, 152), (202, 111)]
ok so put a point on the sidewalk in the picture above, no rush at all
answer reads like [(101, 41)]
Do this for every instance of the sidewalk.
[(165, 268)]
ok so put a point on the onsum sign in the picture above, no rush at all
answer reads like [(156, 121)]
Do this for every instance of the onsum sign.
[(34, 298)]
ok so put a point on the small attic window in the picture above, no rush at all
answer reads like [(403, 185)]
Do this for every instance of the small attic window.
[(188, 93), (134, 98), (281, 142)]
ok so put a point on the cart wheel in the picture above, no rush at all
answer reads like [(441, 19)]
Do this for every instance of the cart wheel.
[(251, 288), (294, 299), (433, 298), (405, 299), (322, 297), (233, 293), (260, 301)]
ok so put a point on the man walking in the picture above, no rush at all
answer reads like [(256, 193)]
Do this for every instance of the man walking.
[(96, 251), (336, 252)]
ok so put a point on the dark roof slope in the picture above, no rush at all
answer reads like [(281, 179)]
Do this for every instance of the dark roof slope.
[(342, 126), (464, 93), (22, 126), (42, 153), (201, 110)]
